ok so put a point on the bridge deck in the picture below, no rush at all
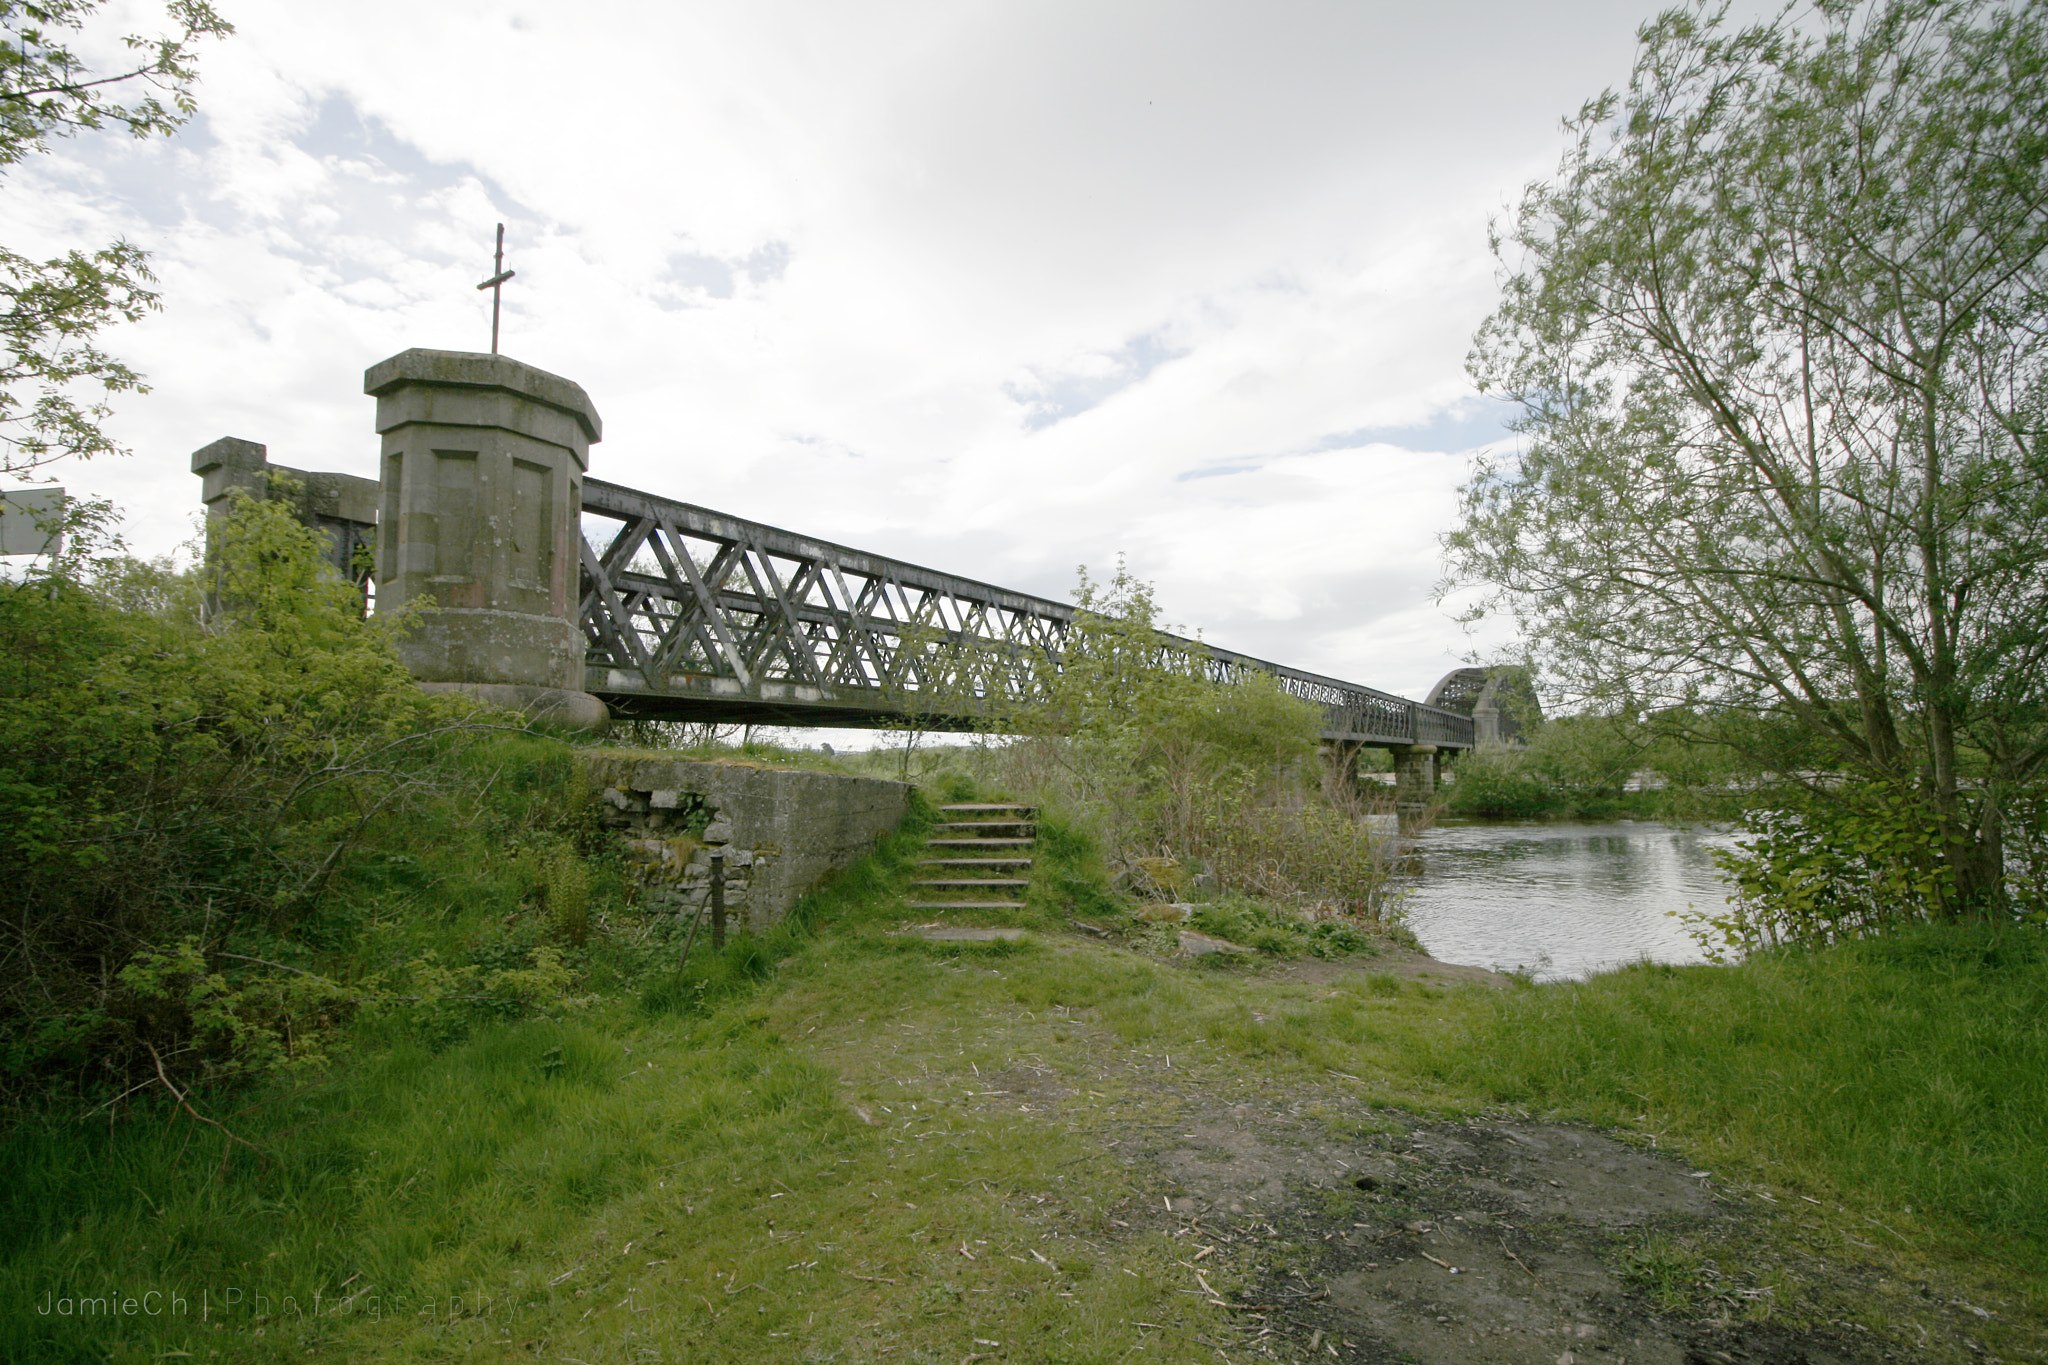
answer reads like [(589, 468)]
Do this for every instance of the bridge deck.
[(691, 614)]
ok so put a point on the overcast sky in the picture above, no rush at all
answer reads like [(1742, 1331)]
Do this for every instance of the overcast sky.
[(997, 288)]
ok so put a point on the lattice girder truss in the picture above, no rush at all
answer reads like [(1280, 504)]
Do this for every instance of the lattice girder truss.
[(691, 614)]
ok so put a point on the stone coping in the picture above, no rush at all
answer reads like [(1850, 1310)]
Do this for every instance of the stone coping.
[(476, 370)]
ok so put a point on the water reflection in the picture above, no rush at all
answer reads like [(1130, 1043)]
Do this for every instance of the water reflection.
[(1561, 900)]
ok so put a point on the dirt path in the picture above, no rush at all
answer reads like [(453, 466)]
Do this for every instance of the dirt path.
[(1327, 1226), (1528, 1244), (1374, 1236)]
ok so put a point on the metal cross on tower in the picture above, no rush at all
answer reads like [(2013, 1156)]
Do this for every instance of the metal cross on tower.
[(496, 284)]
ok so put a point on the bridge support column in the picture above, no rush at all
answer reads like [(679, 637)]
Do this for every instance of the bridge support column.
[(1415, 778), (1340, 763), (481, 501)]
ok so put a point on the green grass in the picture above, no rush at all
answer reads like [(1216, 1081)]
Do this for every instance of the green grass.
[(821, 1142), (1268, 929), (840, 1142), (419, 1178), (1905, 1077)]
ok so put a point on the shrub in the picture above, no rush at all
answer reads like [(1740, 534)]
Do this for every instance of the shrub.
[(1258, 925), (1167, 767), (1857, 862), (1587, 759), (186, 761), (1500, 784)]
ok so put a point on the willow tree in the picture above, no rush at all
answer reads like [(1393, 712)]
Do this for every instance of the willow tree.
[(1777, 333)]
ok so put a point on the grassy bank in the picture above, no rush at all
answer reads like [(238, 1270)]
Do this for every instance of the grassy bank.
[(842, 1143), (832, 1136), (1904, 1077)]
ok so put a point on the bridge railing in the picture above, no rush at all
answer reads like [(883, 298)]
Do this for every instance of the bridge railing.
[(689, 613)]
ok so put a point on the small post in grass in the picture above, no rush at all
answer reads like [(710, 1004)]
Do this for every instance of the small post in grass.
[(717, 899), (696, 918)]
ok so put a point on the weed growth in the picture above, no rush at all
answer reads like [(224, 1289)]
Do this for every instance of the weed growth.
[(1180, 779)]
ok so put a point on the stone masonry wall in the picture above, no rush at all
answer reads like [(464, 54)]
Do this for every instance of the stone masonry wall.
[(782, 830)]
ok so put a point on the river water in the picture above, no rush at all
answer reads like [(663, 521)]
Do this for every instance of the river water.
[(1561, 900)]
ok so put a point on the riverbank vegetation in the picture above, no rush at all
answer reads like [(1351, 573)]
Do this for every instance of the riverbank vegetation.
[(843, 1141), (431, 1084), (1776, 332), (1594, 766), (1185, 782), (1892, 1075), (236, 830)]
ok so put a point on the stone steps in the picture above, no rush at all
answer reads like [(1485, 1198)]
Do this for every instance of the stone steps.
[(964, 905), (982, 828)]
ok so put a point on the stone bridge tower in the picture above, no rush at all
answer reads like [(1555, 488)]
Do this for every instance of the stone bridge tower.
[(479, 517)]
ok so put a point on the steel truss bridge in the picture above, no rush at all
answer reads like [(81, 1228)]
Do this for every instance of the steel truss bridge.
[(693, 615)]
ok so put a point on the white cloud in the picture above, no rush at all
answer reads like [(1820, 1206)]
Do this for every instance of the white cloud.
[(999, 288)]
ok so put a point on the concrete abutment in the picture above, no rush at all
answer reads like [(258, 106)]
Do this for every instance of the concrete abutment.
[(782, 831)]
